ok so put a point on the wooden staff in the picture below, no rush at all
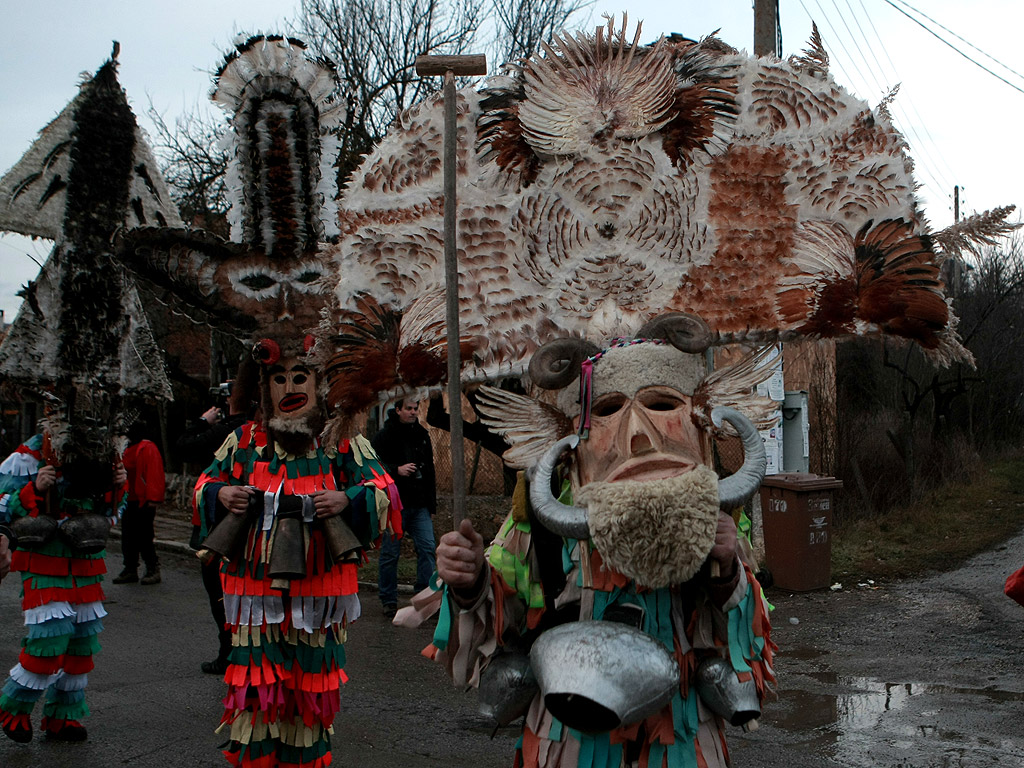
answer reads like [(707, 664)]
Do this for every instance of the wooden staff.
[(449, 67)]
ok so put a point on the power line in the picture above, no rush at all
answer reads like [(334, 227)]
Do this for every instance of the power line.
[(946, 42), (932, 168), (925, 169), (906, 97), (964, 40)]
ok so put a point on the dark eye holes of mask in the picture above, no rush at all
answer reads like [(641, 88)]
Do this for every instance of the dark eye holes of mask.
[(651, 400)]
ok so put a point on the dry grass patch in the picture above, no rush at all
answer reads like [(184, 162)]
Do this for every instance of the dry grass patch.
[(938, 532)]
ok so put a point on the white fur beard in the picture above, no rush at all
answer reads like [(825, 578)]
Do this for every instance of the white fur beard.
[(295, 436), (657, 532)]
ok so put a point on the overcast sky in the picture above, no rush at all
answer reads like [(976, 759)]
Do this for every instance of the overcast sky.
[(963, 124)]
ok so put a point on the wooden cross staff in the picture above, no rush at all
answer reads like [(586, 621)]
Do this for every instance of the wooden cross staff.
[(449, 67)]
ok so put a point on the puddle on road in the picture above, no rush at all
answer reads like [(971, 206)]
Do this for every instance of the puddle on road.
[(851, 710)]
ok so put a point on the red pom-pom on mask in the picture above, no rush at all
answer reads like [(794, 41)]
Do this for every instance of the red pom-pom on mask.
[(308, 342), (266, 352)]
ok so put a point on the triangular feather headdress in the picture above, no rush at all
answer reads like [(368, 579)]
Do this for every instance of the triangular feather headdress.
[(81, 334), (269, 280)]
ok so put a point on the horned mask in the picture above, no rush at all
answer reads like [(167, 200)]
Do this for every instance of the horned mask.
[(637, 419)]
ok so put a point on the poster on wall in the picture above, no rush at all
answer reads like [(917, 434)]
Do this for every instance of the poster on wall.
[(773, 388)]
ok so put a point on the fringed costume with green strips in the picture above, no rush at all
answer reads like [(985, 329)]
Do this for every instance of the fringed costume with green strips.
[(62, 598), (287, 663), (688, 619)]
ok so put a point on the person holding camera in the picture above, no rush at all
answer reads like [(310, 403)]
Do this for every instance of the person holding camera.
[(198, 445), (403, 446)]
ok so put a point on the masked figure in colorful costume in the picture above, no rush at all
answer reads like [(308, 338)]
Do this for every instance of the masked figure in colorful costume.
[(288, 513), (61, 591), (627, 589), (80, 341), (289, 593), (623, 211)]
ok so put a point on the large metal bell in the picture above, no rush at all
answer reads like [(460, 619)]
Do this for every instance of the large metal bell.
[(598, 675), (288, 551), (85, 533), (228, 537), (724, 693), (33, 532), (507, 686), (341, 541)]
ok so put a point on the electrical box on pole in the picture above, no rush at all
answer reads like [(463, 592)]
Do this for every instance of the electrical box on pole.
[(796, 448)]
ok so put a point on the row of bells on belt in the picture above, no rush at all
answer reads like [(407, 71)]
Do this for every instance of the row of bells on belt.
[(85, 533), (288, 553)]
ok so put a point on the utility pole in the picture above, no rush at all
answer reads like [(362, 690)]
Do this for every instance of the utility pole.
[(956, 204), (766, 25)]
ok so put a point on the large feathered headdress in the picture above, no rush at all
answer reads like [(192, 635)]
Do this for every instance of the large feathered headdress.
[(268, 281), (608, 182)]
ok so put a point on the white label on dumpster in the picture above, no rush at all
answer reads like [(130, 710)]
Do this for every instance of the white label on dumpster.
[(819, 504), (776, 505), (819, 531)]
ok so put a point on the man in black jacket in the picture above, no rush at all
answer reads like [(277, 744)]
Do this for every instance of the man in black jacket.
[(404, 448), (197, 445)]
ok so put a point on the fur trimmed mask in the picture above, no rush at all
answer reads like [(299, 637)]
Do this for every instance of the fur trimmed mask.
[(658, 532)]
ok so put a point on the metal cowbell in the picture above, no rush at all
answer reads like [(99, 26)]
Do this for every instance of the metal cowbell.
[(598, 675), (724, 694), (228, 536)]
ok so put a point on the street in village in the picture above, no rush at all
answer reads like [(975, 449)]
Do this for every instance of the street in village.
[(921, 674)]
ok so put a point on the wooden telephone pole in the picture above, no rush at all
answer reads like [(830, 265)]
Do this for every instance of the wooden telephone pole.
[(766, 27)]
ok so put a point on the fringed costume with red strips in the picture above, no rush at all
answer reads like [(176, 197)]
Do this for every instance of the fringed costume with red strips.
[(62, 598), (287, 661)]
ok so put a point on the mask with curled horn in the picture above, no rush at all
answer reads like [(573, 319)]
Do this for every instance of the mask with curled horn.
[(637, 419)]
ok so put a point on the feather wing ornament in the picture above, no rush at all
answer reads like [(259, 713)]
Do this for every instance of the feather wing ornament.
[(731, 386), (529, 426), (605, 182)]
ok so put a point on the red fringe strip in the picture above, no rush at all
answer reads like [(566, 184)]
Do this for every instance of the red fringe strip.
[(11, 722), (34, 598), (278, 703), (324, 581), (78, 665), (52, 565), (41, 665), (270, 761)]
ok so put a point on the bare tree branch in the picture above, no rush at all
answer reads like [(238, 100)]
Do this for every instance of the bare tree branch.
[(193, 164), (374, 44)]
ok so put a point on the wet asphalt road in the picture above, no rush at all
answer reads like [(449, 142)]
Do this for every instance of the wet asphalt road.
[(913, 675)]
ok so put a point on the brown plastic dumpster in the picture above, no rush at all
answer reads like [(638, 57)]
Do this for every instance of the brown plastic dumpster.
[(796, 510)]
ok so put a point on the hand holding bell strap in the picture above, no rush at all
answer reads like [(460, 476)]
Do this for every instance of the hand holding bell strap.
[(229, 535), (12, 539)]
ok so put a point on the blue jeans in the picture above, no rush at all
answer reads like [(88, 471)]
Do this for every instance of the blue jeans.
[(418, 524)]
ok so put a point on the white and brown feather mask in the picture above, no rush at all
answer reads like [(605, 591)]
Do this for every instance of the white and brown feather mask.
[(605, 182)]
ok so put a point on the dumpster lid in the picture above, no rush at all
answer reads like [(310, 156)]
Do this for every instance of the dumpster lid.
[(801, 481)]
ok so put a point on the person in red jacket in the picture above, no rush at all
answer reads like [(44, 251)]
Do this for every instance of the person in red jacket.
[(146, 486)]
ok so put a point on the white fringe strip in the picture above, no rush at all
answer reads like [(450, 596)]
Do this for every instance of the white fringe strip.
[(32, 680), (60, 609), (307, 613), (90, 611)]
